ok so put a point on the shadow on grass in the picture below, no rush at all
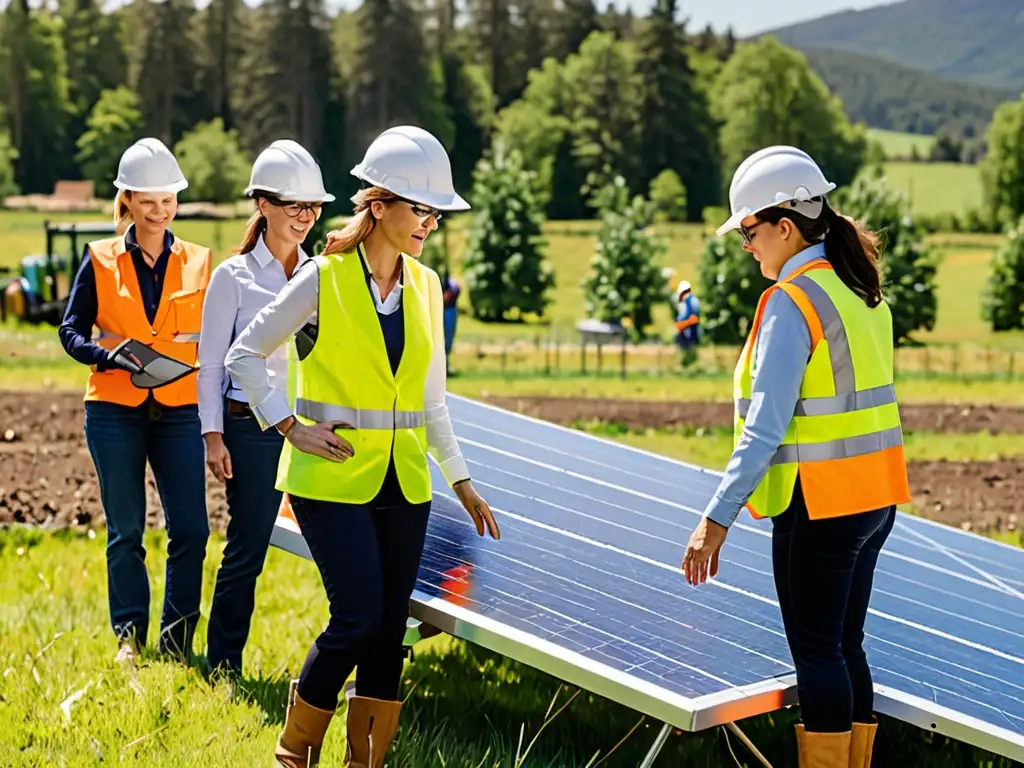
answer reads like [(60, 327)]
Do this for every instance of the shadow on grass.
[(470, 707)]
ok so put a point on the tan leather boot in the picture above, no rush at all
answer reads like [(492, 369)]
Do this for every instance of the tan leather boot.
[(823, 750), (299, 744), (862, 744), (372, 724)]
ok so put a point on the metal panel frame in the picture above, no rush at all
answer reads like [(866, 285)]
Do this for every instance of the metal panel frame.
[(687, 714)]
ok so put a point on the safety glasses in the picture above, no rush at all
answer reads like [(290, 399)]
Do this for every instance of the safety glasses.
[(747, 233), (294, 210), (424, 212)]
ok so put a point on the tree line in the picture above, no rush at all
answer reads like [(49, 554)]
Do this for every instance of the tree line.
[(585, 95)]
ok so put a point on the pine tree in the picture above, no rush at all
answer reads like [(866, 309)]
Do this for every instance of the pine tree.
[(33, 84), (677, 131), (221, 31), (1003, 303), (166, 81), (96, 59), (383, 90), (504, 266), (625, 282)]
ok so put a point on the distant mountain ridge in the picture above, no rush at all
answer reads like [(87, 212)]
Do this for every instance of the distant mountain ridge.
[(887, 95), (975, 41)]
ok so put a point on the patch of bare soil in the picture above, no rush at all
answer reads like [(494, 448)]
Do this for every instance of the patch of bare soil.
[(47, 476), (654, 414)]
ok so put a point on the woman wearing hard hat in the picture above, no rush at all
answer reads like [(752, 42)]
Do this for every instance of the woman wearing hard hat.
[(819, 447), (144, 288), (289, 193), (369, 407)]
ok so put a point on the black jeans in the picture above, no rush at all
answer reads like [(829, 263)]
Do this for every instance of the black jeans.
[(253, 502), (368, 556), (824, 571)]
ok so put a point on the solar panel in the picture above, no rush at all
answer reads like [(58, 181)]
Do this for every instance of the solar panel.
[(585, 584)]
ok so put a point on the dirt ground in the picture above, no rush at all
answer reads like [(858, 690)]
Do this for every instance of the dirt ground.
[(47, 477), (647, 414)]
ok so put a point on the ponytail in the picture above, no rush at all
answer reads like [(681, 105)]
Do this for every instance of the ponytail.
[(255, 227), (358, 229), (853, 252), (361, 224), (122, 213)]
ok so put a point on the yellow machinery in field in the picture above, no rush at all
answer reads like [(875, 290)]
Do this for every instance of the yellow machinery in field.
[(38, 293)]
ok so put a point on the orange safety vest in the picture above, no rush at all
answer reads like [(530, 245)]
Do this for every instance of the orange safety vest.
[(845, 439), (121, 315)]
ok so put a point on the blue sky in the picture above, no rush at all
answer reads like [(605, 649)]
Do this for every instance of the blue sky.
[(751, 16), (747, 17)]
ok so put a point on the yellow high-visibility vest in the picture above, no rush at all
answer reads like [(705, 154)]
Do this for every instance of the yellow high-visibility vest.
[(347, 377), (845, 439)]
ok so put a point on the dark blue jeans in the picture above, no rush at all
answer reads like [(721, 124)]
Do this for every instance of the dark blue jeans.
[(368, 556), (120, 440), (824, 571), (253, 502)]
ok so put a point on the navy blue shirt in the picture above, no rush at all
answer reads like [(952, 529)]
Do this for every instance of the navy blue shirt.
[(76, 330)]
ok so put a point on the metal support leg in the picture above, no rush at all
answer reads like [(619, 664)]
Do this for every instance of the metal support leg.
[(659, 744), (748, 744)]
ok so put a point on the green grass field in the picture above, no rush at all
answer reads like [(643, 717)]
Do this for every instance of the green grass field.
[(937, 187), (900, 145), (64, 702), (962, 274)]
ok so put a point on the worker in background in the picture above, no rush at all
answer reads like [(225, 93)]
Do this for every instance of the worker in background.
[(370, 405), (819, 447), (145, 285), (687, 320), (450, 297), (289, 193)]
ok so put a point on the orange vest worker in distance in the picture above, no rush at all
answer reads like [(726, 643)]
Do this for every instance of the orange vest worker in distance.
[(174, 332), (148, 286)]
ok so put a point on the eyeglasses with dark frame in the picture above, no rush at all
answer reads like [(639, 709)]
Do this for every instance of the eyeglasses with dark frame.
[(294, 210)]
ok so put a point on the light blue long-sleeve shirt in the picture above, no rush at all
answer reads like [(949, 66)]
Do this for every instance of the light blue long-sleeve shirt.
[(781, 353)]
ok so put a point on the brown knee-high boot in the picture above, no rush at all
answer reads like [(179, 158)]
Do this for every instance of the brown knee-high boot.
[(862, 744), (299, 744), (372, 724), (822, 750)]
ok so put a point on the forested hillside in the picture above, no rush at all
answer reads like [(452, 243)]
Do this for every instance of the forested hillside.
[(887, 95), (979, 41)]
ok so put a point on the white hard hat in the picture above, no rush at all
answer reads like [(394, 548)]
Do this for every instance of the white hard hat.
[(683, 287), (288, 171), (148, 166), (772, 176), (413, 164)]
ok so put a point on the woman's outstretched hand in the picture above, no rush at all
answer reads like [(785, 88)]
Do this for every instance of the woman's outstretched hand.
[(705, 544), (477, 508)]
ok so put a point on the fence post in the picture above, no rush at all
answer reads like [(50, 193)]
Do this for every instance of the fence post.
[(623, 357)]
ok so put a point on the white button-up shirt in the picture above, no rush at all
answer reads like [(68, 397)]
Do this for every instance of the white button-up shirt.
[(239, 288), (289, 312)]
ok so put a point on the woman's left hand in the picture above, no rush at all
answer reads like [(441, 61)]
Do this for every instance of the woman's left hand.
[(477, 508), (705, 544)]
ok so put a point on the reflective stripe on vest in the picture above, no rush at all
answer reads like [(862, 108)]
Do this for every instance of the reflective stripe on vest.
[(847, 445), (360, 418), (347, 378)]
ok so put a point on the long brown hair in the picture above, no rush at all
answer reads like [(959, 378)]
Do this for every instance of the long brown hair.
[(361, 224), (122, 213), (851, 248), (254, 227)]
